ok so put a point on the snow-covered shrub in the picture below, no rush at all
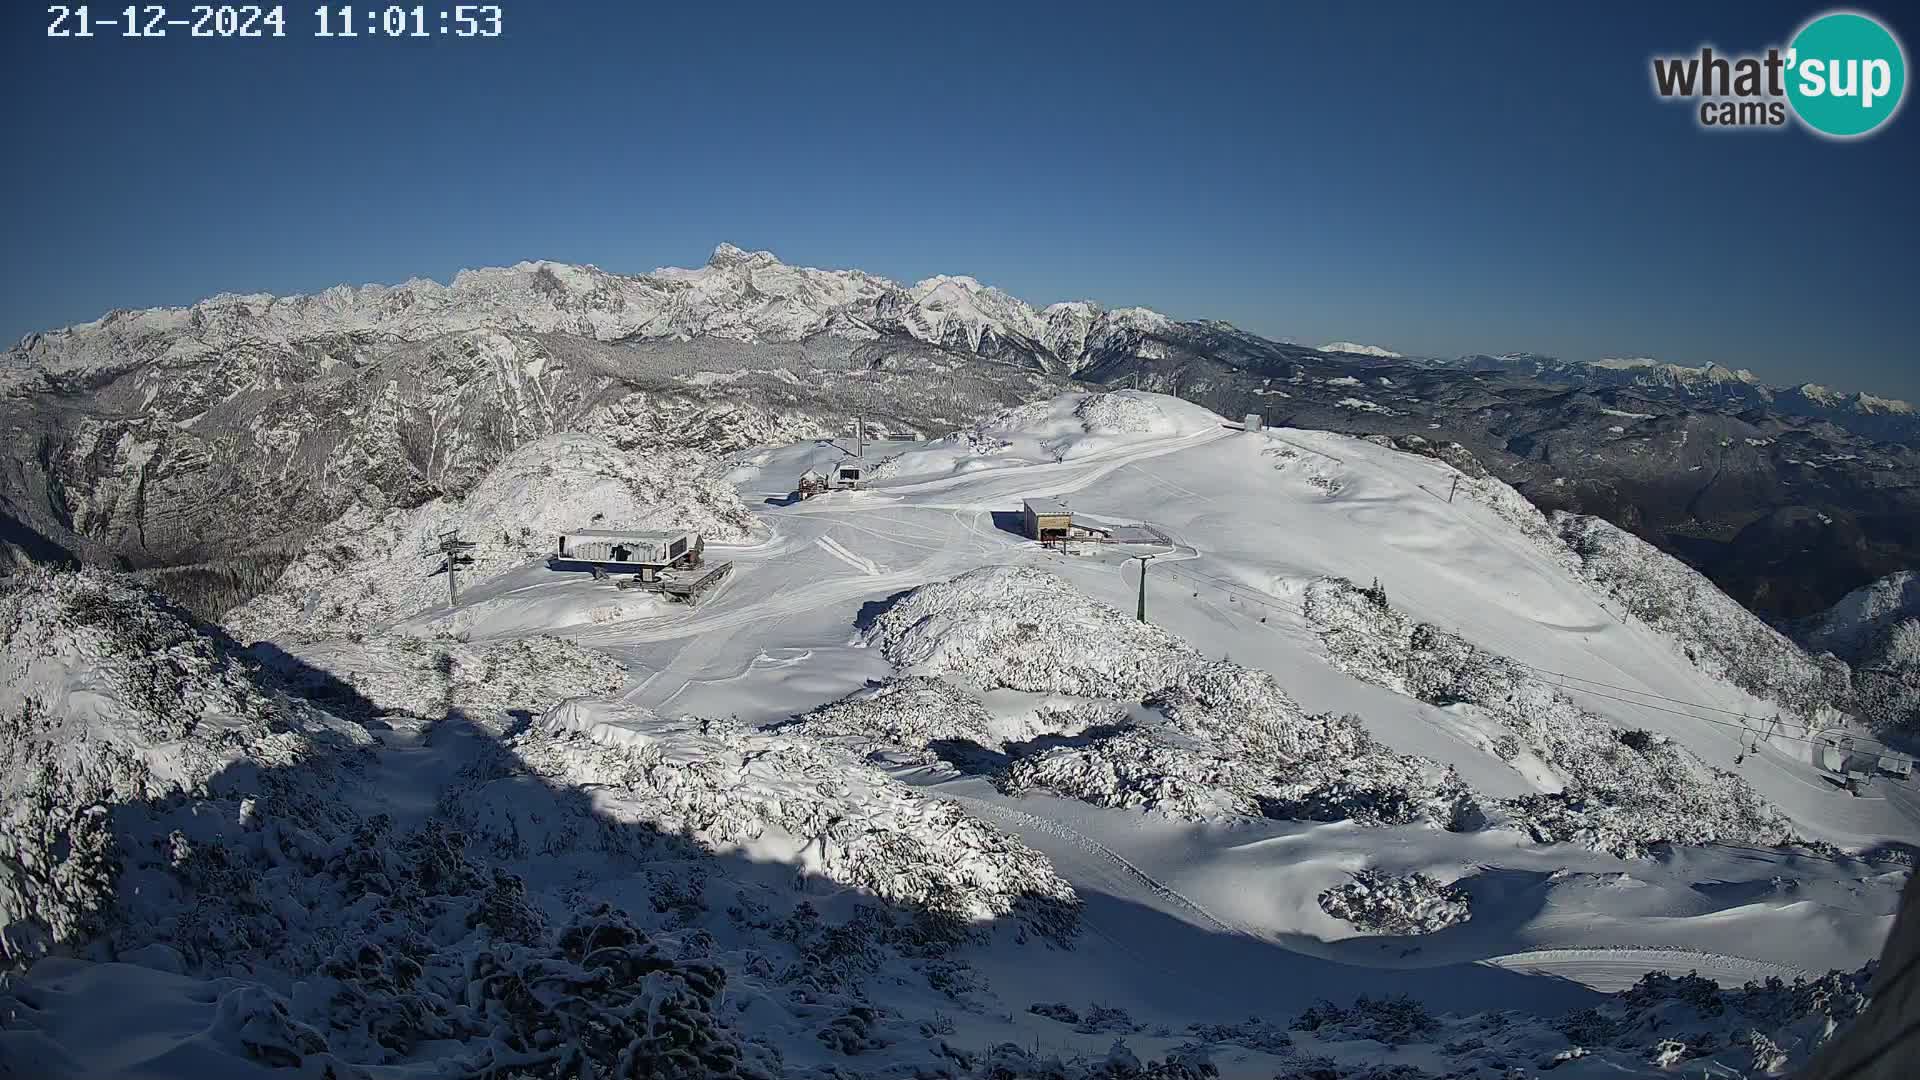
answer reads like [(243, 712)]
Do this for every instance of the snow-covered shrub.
[(609, 999), (728, 786), (1375, 902), (1395, 1020), (917, 714), (1138, 768), (1233, 742), (1026, 629), (984, 628), (1619, 794), (112, 697), (1181, 774), (529, 674), (1055, 1010), (1253, 1033), (1887, 680), (430, 677), (1099, 1018), (1667, 1019), (165, 805), (1009, 1061), (1762, 1029)]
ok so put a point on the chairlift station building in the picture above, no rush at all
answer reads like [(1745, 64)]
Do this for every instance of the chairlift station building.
[(1049, 521), (647, 552), (665, 561)]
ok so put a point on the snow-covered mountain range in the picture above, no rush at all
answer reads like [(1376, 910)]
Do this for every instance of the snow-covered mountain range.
[(737, 296), (1711, 383), (752, 296)]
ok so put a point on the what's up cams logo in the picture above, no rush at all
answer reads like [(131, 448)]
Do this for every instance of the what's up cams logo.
[(1842, 76)]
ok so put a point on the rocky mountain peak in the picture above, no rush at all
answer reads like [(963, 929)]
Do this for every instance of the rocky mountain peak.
[(726, 256)]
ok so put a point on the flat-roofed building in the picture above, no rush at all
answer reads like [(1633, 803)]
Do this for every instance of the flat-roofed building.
[(1047, 520), (646, 552)]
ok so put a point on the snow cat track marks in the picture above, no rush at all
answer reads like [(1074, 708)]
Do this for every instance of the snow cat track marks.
[(892, 538), (1094, 847)]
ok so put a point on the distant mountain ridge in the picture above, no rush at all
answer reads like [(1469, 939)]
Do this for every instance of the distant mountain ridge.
[(745, 296), (752, 296), (1714, 384)]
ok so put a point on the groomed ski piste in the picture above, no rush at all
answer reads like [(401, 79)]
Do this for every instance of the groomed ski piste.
[(1201, 784)]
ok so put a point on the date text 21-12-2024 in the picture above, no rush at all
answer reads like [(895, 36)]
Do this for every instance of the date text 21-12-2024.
[(259, 21)]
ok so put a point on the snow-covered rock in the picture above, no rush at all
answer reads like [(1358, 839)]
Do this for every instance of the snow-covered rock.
[(1379, 903)]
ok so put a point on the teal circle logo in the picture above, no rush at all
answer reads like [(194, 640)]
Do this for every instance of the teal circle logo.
[(1846, 74)]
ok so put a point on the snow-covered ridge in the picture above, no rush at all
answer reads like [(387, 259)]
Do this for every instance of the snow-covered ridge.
[(1863, 614), (1708, 372), (1359, 350), (1063, 428), (738, 295), (1876, 628)]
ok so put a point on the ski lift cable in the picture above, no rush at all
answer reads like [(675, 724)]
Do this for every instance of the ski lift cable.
[(1762, 722)]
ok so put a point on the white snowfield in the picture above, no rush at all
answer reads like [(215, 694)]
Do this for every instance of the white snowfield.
[(1133, 827)]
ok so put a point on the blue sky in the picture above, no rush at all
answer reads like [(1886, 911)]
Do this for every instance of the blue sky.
[(1438, 178)]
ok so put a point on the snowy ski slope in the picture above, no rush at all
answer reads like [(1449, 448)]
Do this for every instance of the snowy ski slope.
[(1181, 919)]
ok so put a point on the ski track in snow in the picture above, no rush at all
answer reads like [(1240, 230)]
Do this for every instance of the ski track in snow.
[(1133, 875), (834, 548)]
